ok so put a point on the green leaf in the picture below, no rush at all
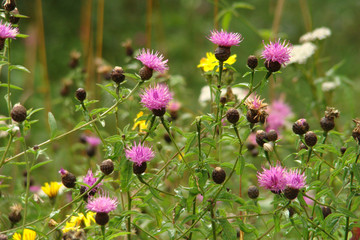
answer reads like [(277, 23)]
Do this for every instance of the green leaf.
[(356, 170), (11, 86), (110, 91), (125, 174), (22, 35), (229, 231), (19, 67), (276, 222), (226, 20), (346, 212), (243, 5), (117, 235), (39, 165), (52, 124)]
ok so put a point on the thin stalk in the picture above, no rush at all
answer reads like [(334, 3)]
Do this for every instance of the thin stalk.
[(267, 157), (213, 223), (8, 79), (6, 149), (150, 127), (88, 117), (103, 231), (147, 184), (194, 213), (218, 93), (181, 155), (350, 196), (321, 154), (117, 112), (198, 128), (27, 179), (129, 218), (149, 234), (83, 125)]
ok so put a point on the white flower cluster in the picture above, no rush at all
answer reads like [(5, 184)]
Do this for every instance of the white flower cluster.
[(300, 53), (205, 95), (317, 34)]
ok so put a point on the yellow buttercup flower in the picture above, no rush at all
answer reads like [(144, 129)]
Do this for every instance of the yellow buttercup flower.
[(28, 235), (141, 124), (208, 63), (77, 221), (51, 189)]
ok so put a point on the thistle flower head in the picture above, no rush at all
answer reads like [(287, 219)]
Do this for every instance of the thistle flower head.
[(295, 180), (90, 180), (139, 154), (102, 204), (225, 39), (153, 60), (273, 179), (6, 31), (278, 112), (277, 52), (156, 97)]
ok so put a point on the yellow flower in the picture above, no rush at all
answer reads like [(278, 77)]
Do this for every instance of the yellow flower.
[(28, 235), (142, 124), (51, 189), (77, 221), (208, 63)]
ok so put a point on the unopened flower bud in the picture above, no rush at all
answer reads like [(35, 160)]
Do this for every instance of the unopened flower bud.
[(218, 175), (310, 138), (117, 75), (232, 115), (300, 126), (252, 116), (303, 146), (253, 192), (80, 94), (252, 62), (272, 135), (12, 18), (9, 5), (139, 169), (342, 150), (67, 178), (18, 113), (159, 112), (268, 147), (107, 166), (222, 53), (260, 137), (326, 211), (327, 124)]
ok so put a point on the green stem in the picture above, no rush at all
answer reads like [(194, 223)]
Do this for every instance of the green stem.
[(321, 154), (350, 196), (146, 232), (8, 85), (213, 223), (193, 213), (150, 127), (267, 157), (6, 149), (198, 129), (117, 112), (129, 218), (27, 179), (81, 126), (147, 184), (181, 155), (103, 231)]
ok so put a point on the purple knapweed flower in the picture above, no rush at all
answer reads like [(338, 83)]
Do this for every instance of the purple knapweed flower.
[(277, 52), (225, 39), (153, 60), (6, 31), (273, 179), (139, 154), (278, 112), (92, 141), (90, 180), (156, 98), (102, 204), (295, 180)]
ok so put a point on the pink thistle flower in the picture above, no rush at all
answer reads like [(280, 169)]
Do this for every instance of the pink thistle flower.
[(92, 141), (156, 97), (139, 154), (278, 112), (153, 60), (90, 180), (256, 103), (277, 52), (174, 106), (273, 179), (295, 180), (6, 31), (225, 39), (102, 204)]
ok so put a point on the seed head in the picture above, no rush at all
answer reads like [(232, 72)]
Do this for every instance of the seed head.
[(310, 138), (300, 126), (67, 178), (107, 166), (253, 192), (219, 175), (232, 115), (260, 137), (117, 75)]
